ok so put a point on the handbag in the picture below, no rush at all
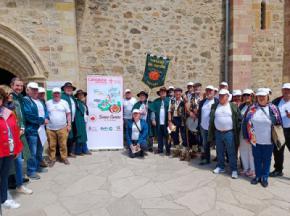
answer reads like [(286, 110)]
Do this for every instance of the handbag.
[(277, 133)]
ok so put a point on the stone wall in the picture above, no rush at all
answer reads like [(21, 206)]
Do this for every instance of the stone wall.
[(268, 46), (50, 28), (286, 74), (113, 37)]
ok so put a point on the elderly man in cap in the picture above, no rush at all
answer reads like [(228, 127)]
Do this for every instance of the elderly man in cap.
[(225, 85), (203, 121), (190, 91), (283, 104), (170, 92), (176, 117), (58, 127), (80, 121), (224, 127), (128, 103), (160, 106), (36, 117), (67, 95), (147, 114), (137, 133), (237, 97)]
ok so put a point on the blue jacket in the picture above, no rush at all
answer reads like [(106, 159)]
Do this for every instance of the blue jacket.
[(143, 134), (33, 121)]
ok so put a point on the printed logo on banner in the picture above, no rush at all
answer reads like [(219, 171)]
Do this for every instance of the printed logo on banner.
[(93, 118)]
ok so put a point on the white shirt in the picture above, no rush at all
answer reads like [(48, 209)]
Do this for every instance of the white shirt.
[(143, 111), (283, 106), (135, 131), (162, 113), (73, 109), (40, 108), (262, 126), (205, 112), (128, 106), (57, 114), (223, 117)]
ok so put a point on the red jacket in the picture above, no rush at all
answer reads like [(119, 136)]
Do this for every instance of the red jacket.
[(4, 135)]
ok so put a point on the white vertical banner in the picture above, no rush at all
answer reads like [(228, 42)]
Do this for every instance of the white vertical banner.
[(105, 103)]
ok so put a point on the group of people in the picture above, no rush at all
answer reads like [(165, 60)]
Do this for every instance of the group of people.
[(237, 125), (27, 123)]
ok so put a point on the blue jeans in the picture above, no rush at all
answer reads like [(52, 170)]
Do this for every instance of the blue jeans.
[(36, 149), (225, 140), (163, 139), (81, 148), (18, 170), (262, 160), (205, 144), (5, 163)]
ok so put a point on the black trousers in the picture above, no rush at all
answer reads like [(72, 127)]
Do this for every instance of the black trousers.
[(163, 139), (5, 164), (279, 154)]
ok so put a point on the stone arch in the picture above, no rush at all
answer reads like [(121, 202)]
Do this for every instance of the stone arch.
[(19, 57)]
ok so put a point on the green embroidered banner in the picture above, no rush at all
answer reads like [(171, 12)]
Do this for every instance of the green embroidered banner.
[(155, 70)]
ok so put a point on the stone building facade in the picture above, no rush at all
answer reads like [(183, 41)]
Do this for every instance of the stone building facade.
[(53, 40)]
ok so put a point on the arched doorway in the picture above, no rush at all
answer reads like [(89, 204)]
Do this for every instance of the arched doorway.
[(6, 77), (19, 58)]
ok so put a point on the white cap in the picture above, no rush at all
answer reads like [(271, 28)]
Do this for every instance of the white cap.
[(136, 111), (269, 90), (32, 85), (237, 92), (170, 87), (224, 84), (41, 90), (224, 92), (215, 89), (210, 87), (286, 86), (248, 91), (190, 84), (56, 90), (127, 90), (262, 92)]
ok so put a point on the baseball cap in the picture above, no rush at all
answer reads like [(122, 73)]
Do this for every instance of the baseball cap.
[(210, 87), (56, 90), (262, 92), (224, 84), (190, 84), (286, 86), (224, 92), (171, 87), (32, 85), (41, 90), (248, 91), (237, 92), (136, 111), (127, 90)]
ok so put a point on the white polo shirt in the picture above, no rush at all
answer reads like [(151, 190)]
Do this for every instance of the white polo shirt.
[(205, 112), (135, 131), (57, 112), (283, 107), (223, 117), (128, 106)]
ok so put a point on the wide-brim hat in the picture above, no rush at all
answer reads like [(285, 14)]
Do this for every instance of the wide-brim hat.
[(161, 89), (68, 84), (142, 93), (81, 92)]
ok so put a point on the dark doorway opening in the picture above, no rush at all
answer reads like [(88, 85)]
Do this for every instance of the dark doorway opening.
[(5, 77)]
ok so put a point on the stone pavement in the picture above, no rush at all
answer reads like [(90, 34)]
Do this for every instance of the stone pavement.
[(108, 183)]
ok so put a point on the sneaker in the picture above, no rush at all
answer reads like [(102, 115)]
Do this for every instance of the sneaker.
[(276, 173), (11, 204), (34, 177), (42, 170), (24, 190), (218, 170), (234, 175)]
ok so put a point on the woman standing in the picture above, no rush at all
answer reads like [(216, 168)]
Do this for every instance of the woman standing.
[(257, 126), (245, 147), (10, 147)]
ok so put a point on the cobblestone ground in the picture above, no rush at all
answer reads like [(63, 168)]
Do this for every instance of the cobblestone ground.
[(108, 183)]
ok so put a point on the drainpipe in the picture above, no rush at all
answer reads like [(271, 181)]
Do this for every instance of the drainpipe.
[(226, 69)]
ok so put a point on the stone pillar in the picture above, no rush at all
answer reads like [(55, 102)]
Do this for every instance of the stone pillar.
[(286, 68), (240, 53)]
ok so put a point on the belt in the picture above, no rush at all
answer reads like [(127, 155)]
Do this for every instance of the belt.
[(227, 131)]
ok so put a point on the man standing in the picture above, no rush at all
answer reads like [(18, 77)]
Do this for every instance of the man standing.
[(128, 104), (189, 92), (68, 89), (58, 127), (146, 114), (36, 117), (224, 126), (203, 122), (283, 104), (176, 117), (17, 87), (160, 106)]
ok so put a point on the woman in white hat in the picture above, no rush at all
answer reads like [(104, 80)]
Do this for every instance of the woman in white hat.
[(245, 148), (257, 129)]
